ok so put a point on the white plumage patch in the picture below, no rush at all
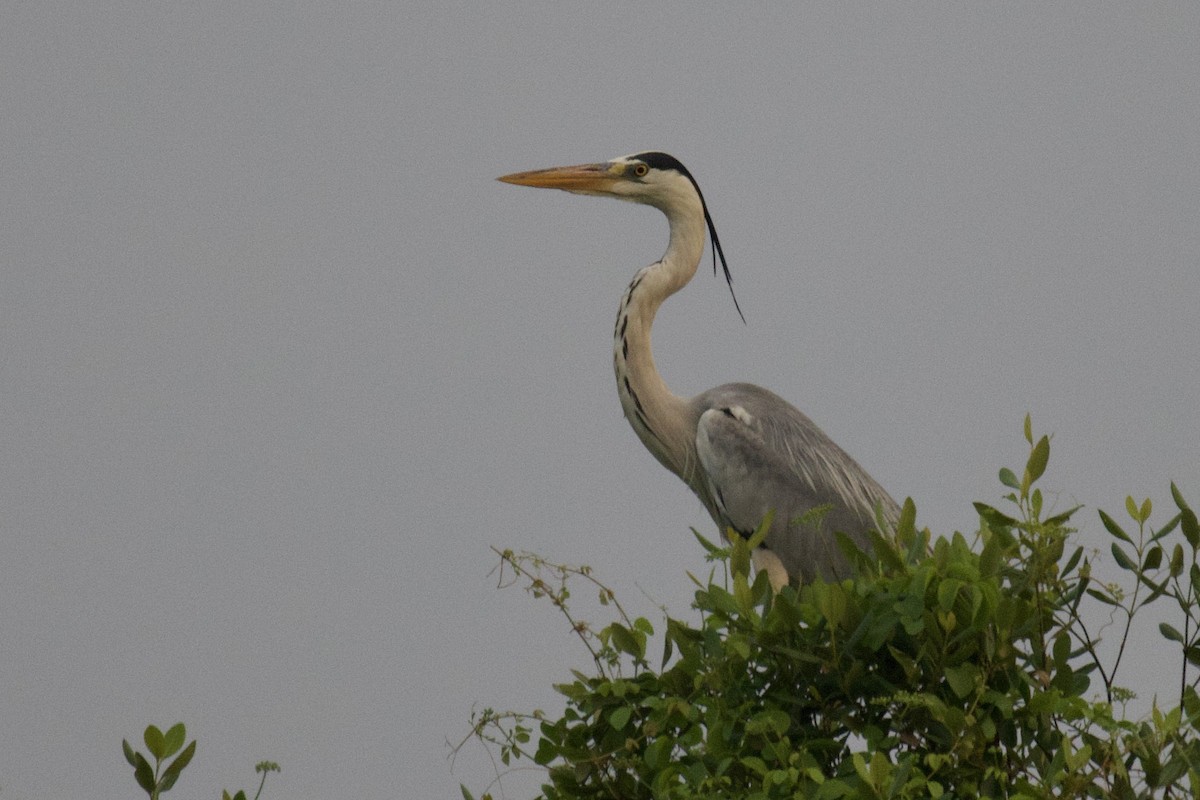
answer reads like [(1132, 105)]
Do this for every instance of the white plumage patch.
[(740, 414), (720, 471)]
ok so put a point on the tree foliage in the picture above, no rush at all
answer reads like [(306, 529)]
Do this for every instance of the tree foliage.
[(948, 667)]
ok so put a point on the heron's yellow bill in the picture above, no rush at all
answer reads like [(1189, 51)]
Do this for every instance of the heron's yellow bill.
[(579, 178)]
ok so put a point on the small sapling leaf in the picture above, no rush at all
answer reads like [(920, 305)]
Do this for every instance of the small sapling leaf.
[(143, 773), (172, 772), (173, 739), (155, 742)]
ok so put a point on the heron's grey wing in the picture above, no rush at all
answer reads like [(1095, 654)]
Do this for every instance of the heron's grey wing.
[(760, 454)]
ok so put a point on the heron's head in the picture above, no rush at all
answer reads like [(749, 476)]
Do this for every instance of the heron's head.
[(653, 178)]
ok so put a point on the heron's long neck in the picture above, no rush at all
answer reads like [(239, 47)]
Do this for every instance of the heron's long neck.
[(662, 420)]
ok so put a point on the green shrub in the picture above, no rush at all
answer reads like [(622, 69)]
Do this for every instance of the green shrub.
[(949, 667)]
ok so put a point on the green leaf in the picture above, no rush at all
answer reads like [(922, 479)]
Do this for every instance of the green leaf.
[(1177, 560), (1171, 525), (772, 721), (1028, 429), (993, 517), (174, 739), (947, 593), (1157, 590), (1072, 562), (619, 717), (171, 773), (143, 773), (1192, 654), (1153, 558), (1122, 559), (129, 756), (1009, 478), (627, 641), (1191, 528), (1170, 632), (1111, 525), (547, 751), (742, 594), (1060, 519), (739, 559), (831, 601), (962, 679), (883, 549), (155, 742), (989, 558), (708, 546), (764, 527), (1062, 650), (1177, 496), (907, 524), (906, 662), (1131, 508), (1102, 596), (466, 795), (658, 752), (1038, 459), (755, 765)]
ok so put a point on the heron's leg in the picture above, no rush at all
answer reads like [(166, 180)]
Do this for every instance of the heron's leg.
[(765, 560)]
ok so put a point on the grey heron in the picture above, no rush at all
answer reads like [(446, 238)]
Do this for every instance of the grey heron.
[(743, 450)]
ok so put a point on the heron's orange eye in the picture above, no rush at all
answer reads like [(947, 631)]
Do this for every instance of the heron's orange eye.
[(640, 170)]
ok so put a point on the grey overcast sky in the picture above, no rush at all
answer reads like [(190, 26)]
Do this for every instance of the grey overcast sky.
[(281, 359)]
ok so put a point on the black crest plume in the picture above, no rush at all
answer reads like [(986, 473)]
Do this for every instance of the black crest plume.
[(664, 161)]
